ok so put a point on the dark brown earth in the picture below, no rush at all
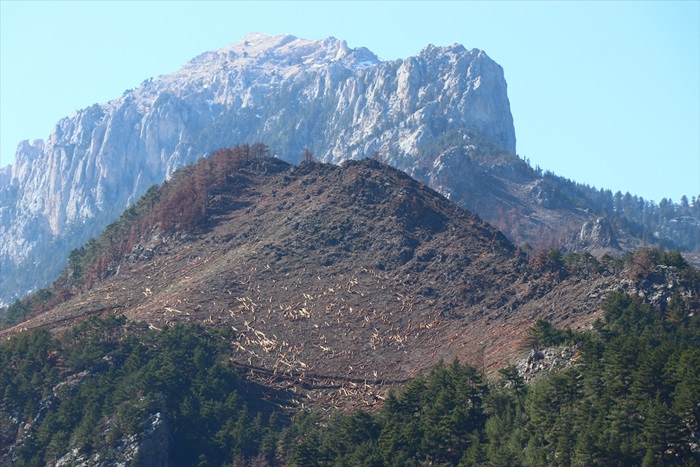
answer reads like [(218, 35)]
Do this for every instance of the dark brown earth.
[(340, 281)]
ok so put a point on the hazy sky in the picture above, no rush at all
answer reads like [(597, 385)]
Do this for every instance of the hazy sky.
[(604, 93)]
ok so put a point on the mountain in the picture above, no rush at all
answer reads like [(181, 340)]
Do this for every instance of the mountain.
[(245, 289), (287, 92), (354, 271), (443, 116)]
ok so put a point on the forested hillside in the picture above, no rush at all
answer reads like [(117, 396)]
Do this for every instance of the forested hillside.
[(631, 397), (668, 224), (538, 207), (110, 391)]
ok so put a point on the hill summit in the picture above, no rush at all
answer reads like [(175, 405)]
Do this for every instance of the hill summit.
[(354, 272)]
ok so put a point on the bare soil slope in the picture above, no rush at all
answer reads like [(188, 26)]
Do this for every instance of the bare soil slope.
[(340, 278)]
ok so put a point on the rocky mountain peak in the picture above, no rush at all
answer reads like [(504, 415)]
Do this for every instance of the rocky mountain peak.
[(271, 58), (287, 92), (262, 46)]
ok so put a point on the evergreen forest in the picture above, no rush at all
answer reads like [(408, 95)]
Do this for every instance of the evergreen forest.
[(668, 224), (631, 396)]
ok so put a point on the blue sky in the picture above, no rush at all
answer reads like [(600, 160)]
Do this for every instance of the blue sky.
[(604, 93)]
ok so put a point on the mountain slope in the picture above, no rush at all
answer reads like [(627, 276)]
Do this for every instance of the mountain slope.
[(354, 271)]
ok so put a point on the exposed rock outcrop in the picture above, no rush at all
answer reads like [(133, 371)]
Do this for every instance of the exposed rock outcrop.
[(149, 448), (599, 233), (539, 363)]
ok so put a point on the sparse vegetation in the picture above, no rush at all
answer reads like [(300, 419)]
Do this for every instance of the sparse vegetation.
[(632, 398), (181, 204), (665, 224)]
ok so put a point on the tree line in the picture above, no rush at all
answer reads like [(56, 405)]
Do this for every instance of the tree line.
[(667, 224)]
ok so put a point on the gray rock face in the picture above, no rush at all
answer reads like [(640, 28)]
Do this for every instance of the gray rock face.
[(598, 232), (149, 448), (540, 363), (284, 91)]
